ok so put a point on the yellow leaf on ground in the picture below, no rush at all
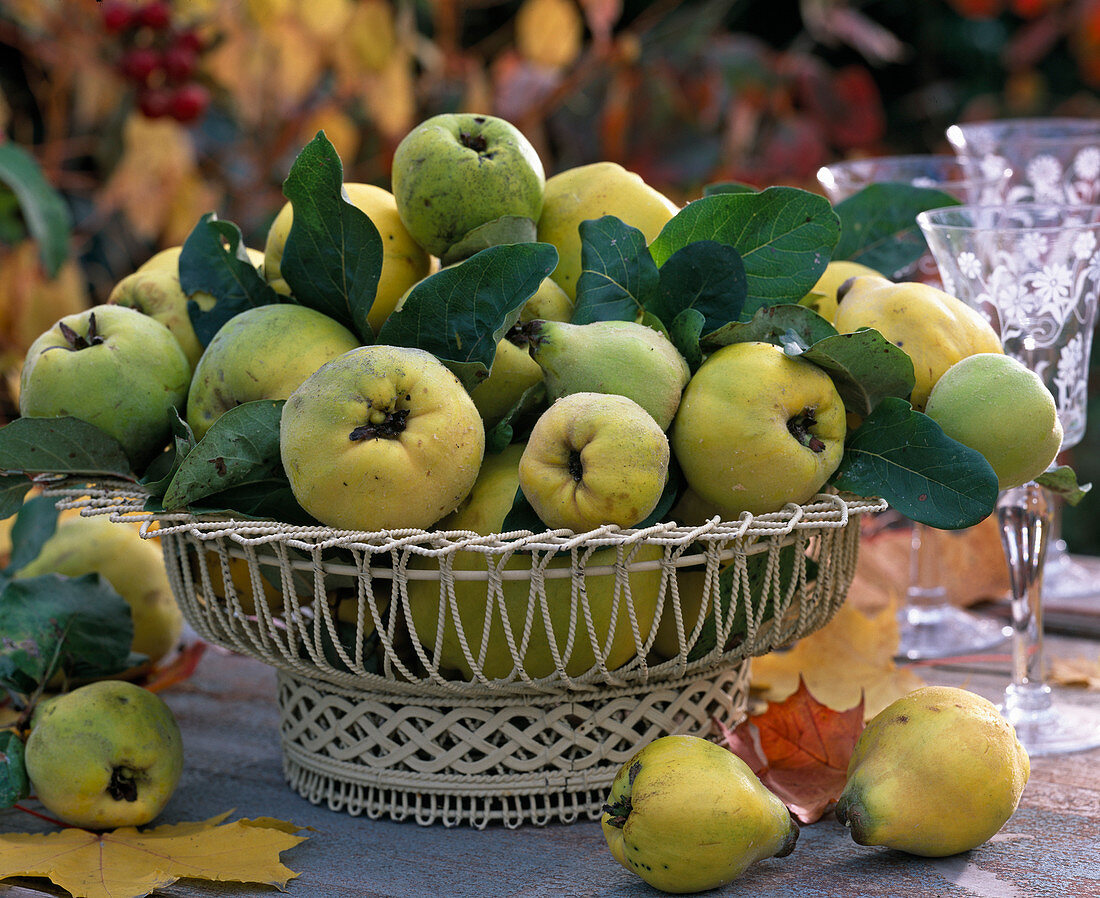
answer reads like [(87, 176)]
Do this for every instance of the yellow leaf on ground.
[(128, 863), (850, 656), (1075, 672)]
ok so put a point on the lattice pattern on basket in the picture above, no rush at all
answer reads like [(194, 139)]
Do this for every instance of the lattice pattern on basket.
[(519, 613), (498, 760)]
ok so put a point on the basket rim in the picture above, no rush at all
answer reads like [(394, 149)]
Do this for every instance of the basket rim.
[(125, 501)]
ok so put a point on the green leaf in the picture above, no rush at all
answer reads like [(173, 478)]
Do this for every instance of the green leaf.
[(459, 314), (506, 229), (241, 446), (47, 217), (727, 187), (61, 446), (705, 276), (878, 226), (14, 783), (214, 260), (78, 625), (264, 498), (685, 332), (521, 516), (904, 457), (35, 523), (160, 472), (333, 255), (794, 327), (13, 489), (1062, 481), (865, 367), (618, 277), (503, 433), (785, 237)]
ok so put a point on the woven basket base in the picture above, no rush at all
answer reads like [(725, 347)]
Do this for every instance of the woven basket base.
[(497, 760)]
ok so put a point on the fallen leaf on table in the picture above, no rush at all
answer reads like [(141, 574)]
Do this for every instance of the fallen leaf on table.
[(178, 669), (1075, 672), (128, 863), (804, 750), (849, 659)]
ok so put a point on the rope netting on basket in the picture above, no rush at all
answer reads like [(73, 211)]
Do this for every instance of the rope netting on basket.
[(446, 677), (446, 613)]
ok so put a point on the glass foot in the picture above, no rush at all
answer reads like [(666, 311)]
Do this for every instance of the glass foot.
[(1066, 578), (1057, 729), (942, 631)]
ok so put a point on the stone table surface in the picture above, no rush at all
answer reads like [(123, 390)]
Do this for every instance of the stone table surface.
[(230, 723)]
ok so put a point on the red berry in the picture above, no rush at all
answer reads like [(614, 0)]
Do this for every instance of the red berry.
[(117, 16), (139, 63), (156, 15), (154, 102), (179, 63), (189, 102)]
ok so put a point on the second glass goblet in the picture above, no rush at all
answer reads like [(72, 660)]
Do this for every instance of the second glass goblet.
[(1034, 271)]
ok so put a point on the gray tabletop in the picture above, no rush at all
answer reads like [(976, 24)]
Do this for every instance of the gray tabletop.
[(230, 722)]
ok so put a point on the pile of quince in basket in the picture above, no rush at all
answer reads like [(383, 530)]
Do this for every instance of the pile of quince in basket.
[(622, 360)]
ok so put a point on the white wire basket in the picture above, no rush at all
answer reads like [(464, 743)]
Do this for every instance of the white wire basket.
[(452, 678)]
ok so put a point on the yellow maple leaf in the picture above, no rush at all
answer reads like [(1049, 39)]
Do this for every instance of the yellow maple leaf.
[(1075, 672), (128, 863), (850, 656)]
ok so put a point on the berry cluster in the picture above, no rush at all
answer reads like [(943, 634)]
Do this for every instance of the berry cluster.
[(158, 57)]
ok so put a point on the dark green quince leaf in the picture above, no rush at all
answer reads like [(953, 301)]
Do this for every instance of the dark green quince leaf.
[(44, 210), (904, 457), (34, 524), (794, 327), (241, 446), (506, 229), (878, 226), (785, 237), (459, 314), (1062, 481), (865, 367), (718, 187), (14, 783), (618, 277), (163, 468), (685, 332), (705, 276), (60, 446), (333, 255), (13, 490), (214, 261)]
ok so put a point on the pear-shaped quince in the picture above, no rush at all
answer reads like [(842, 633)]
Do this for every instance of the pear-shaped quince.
[(935, 773), (933, 328), (687, 815)]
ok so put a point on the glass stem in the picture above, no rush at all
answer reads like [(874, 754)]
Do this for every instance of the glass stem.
[(926, 587), (1024, 516)]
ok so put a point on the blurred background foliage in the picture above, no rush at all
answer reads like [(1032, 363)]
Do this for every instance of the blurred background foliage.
[(145, 114)]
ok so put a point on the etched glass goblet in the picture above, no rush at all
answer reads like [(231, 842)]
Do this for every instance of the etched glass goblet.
[(929, 625), (1033, 270), (1052, 160)]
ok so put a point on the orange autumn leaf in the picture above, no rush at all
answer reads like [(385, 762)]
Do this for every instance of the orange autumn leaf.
[(804, 749), (176, 670), (128, 863), (849, 659)]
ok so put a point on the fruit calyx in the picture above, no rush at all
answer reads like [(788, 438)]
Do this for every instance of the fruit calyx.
[(527, 333), (122, 786), (575, 466), (475, 142), (80, 341), (799, 426), (619, 810), (382, 425)]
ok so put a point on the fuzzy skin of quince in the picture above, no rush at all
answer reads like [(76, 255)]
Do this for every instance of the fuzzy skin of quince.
[(935, 329), (936, 773), (688, 815)]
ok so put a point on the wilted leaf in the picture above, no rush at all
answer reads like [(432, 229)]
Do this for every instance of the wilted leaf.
[(851, 657), (128, 863), (805, 747)]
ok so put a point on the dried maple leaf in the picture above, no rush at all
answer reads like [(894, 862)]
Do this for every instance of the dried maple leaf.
[(178, 669), (850, 658), (1075, 672), (804, 749), (128, 863)]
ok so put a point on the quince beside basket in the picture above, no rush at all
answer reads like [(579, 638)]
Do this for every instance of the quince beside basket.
[(415, 684)]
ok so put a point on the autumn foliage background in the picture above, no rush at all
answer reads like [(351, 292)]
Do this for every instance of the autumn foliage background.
[(147, 114)]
